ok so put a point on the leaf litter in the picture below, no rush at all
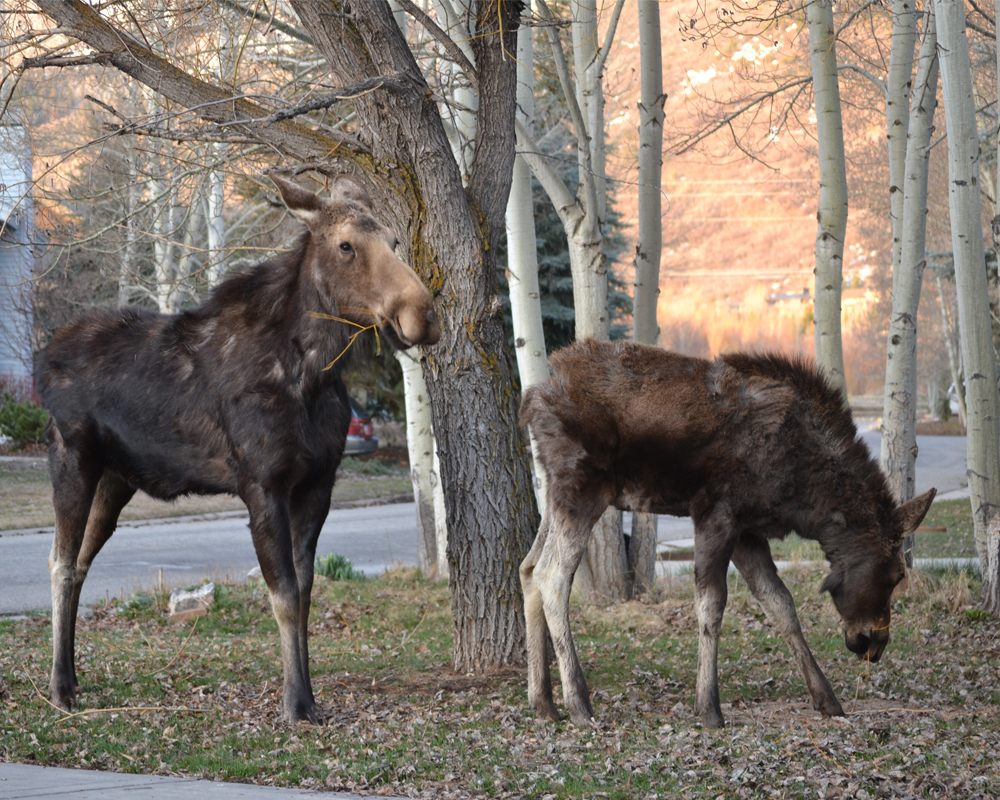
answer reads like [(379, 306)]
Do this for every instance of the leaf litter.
[(203, 702)]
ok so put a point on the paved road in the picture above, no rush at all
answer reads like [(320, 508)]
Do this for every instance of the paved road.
[(373, 538)]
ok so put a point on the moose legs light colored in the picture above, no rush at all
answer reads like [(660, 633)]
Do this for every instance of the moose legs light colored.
[(752, 558), (546, 580), (87, 506)]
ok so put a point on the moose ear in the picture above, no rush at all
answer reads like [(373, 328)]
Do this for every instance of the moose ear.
[(831, 582), (301, 203), (912, 512), (347, 189)]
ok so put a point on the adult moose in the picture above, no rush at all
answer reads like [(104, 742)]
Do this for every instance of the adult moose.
[(751, 447), (231, 397)]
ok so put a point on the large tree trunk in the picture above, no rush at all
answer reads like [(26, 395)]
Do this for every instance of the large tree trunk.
[(522, 249), (490, 511), (642, 542), (899, 440), (832, 212), (950, 336), (973, 299)]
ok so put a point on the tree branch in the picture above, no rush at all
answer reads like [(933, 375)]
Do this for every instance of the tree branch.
[(346, 93), (66, 61), (270, 19), (695, 139), (211, 103), (444, 39), (559, 56), (562, 198)]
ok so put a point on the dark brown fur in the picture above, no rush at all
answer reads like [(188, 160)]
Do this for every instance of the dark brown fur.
[(751, 447), (229, 397)]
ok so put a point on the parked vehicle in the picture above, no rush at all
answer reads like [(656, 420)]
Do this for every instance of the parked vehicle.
[(361, 439)]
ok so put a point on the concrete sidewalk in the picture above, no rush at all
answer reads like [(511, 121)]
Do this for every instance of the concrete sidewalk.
[(28, 781)]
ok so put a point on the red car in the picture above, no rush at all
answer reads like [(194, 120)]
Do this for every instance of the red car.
[(361, 439)]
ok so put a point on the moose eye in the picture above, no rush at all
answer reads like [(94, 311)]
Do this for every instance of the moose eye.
[(346, 249)]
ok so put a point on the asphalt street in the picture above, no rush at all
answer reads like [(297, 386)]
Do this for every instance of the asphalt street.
[(185, 551)]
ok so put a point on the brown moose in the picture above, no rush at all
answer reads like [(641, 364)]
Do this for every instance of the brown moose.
[(751, 447), (230, 397)]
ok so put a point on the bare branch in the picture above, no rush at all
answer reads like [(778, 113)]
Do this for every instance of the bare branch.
[(695, 139), (270, 19), (563, 70), (66, 61), (341, 95), (444, 39), (212, 102), (612, 27)]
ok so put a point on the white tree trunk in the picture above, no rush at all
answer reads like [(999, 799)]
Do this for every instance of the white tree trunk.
[(954, 355), (522, 251), (973, 299), (420, 446), (642, 542), (899, 432), (216, 223), (897, 114), (832, 212)]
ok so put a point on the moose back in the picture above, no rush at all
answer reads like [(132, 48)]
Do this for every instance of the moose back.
[(751, 447), (229, 397)]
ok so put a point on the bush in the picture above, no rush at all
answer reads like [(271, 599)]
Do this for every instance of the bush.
[(337, 568), (22, 423)]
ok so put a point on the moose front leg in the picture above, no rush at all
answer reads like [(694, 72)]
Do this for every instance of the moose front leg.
[(712, 547), (752, 557), (270, 527), (537, 632)]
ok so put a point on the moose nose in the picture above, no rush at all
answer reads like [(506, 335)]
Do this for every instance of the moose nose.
[(433, 327), (858, 643)]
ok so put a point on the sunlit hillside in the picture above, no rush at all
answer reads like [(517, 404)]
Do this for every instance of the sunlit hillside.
[(741, 227)]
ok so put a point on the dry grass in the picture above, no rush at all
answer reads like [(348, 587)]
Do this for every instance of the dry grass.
[(203, 701)]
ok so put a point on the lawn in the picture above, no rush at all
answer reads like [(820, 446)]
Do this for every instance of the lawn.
[(202, 699), (26, 493)]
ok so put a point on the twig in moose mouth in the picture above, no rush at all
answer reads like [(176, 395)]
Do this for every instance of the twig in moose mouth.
[(372, 327)]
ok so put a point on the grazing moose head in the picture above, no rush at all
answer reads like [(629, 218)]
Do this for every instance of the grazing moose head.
[(353, 264), (861, 586)]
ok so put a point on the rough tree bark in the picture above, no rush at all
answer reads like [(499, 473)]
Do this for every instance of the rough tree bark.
[(642, 543), (447, 232), (832, 212), (973, 299), (899, 434)]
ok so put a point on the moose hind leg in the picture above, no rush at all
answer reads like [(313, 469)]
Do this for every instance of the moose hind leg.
[(565, 544), (752, 557), (74, 482), (111, 497), (270, 527), (309, 512), (539, 676)]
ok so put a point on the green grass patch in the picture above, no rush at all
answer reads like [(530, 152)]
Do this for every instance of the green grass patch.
[(202, 699)]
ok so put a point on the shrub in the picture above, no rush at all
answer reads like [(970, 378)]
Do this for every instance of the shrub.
[(337, 568), (22, 423)]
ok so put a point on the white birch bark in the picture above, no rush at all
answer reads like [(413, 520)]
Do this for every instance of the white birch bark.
[(522, 251), (642, 543), (899, 433), (832, 212), (130, 252), (954, 354), (897, 114), (420, 446), (979, 359), (215, 221)]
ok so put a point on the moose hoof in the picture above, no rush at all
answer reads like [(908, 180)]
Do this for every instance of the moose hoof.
[(581, 715), (546, 709), (830, 707), (301, 712), (712, 718), (63, 695)]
